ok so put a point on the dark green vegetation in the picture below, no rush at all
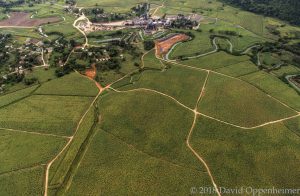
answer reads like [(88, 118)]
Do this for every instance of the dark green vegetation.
[(283, 9)]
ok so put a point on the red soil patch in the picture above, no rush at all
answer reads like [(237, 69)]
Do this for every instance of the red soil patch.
[(23, 19), (91, 73), (162, 47)]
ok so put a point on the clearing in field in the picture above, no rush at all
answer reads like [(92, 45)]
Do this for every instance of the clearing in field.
[(237, 102), (92, 72), (263, 157), (22, 19), (163, 46)]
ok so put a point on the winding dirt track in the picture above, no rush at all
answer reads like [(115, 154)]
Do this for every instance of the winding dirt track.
[(82, 17), (191, 133)]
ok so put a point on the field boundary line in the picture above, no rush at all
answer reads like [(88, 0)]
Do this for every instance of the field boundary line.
[(236, 78), (69, 142), (8, 93), (202, 114), (154, 91), (131, 146), (22, 169), (60, 95), (34, 133), (249, 128), (21, 98)]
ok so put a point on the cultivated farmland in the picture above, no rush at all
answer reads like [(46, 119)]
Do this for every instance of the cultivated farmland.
[(142, 97)]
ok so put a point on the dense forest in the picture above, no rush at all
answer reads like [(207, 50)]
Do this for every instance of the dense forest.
[(288, 10)]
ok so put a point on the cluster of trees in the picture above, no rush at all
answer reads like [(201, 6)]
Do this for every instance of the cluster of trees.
[(141, 9), (4, 56), (71, 2), (183, 23), (279, 47), (98, 15), (227, 32), (8, 4), (93, 11), (284, 9), (61, 50), (149, 44), (17, 78)]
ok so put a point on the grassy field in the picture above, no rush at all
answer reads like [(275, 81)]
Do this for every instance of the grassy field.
[(39, 149), (200, 44), (71, 84), (114, 167), (151, 123), (46, 114), (293, 125), (260, 158), (42, 74), (150, 61), (239, 103), (110, 5), (61, 167), (25, 182), (275, 87), (20, 34), (241, 41), (238, 69), (252, 22), (216, 60), (185, 86), (135, 142), (286, 70), (15, 96)]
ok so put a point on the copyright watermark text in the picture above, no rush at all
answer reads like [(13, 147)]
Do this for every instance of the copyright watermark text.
[(244, 191)]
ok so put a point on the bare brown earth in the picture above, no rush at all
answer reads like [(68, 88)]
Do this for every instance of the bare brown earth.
[(162, 47), (23, 19), (91, 73)]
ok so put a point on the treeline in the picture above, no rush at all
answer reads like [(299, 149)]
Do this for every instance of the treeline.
[(4, 3), (283, 9)]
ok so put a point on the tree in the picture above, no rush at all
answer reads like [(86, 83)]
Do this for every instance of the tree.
[(149, 44)]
